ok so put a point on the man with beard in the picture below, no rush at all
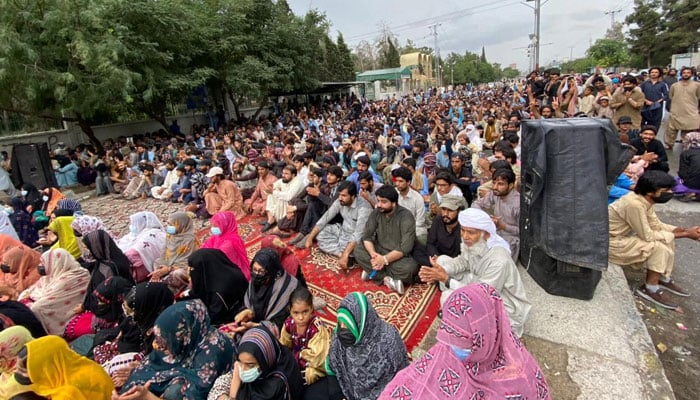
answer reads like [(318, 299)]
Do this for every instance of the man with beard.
[(443, 235), (257, 201), (628, 101), (340, 239), (638, 237), (411, 200), (363, 165), (655, 93), (246, 176), (163, 192), (461, 173), (368, 188), (684, 96), (387, 243), (484, 258), (283, 191), (503, 204), (222, 194), (140, 186), (651, 149)]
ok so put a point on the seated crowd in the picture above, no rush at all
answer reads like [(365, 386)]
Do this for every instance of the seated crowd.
[(418, 190)]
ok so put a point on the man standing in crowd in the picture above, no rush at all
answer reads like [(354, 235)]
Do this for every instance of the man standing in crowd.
[(684, 95), (656, 93), (628, 102)]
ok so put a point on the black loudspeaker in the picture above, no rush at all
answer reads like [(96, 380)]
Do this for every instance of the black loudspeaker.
[(31, 163), (567, 165)]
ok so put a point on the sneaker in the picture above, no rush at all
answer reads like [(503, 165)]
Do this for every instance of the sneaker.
[(394, 284), (296, 238), (673, 288), (659, 298), (365, 275)]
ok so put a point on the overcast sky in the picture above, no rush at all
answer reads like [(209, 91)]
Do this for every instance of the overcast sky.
[(499, 25)]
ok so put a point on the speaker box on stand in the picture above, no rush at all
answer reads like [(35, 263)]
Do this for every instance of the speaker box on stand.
[(31, 164)]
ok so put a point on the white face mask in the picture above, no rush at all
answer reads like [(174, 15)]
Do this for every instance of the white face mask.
[(23, 192), (45, 198)]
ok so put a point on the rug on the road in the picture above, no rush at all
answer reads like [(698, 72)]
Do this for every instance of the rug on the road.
[(411, 313)]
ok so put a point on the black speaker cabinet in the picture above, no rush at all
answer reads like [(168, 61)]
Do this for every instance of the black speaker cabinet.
[(31, 163), (567, 165)]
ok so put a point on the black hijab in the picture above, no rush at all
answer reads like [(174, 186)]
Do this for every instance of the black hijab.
[(270, 300), (19, 314), (111, 294), (33, 196), (218, 282), (280, 377), (109, 262), (147, 300)]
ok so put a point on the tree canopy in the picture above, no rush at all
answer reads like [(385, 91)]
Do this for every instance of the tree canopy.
[(91, 61)]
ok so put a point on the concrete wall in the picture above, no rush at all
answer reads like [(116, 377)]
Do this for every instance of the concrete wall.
[(72, 135)]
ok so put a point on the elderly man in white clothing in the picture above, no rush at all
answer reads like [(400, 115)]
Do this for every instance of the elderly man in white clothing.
[(485, 257)]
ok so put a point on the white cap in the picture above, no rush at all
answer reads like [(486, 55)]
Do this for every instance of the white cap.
[(214, 172)]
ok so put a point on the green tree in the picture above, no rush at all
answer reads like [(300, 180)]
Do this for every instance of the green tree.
[(61, 60), (344, 63), (510, 73), (682, 24), (609, 53), (645, 25), (579, 65), (483, 54), (390, 57), (411, 47)]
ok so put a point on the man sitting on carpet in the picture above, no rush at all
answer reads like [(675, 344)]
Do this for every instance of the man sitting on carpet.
[(140, 186), (363, 165), (222, 194), (387, 242), (411, 200), (485, 258), (164, 191), (283, 191), (444, 235), (340, 239), (503, 204), (320, 199), (256, 204), (637, 236), (368, 187)]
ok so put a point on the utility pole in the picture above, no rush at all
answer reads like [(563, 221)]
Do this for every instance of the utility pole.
[(438, 78), (571, 53), (612, 17), (536, 35)]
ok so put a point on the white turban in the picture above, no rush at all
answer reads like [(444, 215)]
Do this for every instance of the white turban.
[(478, 219)]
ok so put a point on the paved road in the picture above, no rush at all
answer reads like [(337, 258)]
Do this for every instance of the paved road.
[(681, 358)]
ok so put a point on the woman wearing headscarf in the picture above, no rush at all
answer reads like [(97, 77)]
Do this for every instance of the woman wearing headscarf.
[(143, 304), (180, 243), (12, 340), (6, 227), (58, 373), (60, 289), (109, 262), (366, 352), (108, 315), (84, 224), (218, 283), (288, 259), (477, 348), (65, 238), (225, 237), (689, 163), (50, 197), (188, 355), (22, 222), (31, 197), (264, 371), (267, 297), (19, 267), (14, 313), (143, 244)]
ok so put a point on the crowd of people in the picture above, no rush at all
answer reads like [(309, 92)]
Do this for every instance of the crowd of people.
[(422, 189)]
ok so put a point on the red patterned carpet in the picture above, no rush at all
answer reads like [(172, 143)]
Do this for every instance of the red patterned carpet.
[(412, 313)]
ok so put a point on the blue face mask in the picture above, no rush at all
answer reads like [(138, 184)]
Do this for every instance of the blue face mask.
[(462, 354), (249, 375), (132, 229), (215, 230), (170, 229)]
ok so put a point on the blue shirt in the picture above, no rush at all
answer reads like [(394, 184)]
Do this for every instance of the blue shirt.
[(654, 92)]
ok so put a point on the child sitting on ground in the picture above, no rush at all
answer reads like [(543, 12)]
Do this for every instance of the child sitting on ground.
[(307, 336)]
